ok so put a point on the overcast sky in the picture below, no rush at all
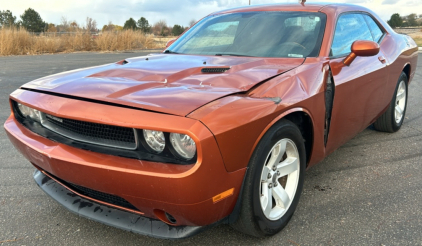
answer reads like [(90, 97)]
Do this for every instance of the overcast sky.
[(173, 11)]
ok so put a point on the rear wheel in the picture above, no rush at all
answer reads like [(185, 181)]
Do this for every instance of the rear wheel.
[(392, 119), (274, 181)]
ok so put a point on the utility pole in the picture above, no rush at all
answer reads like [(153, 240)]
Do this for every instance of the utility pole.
[(249, 2)]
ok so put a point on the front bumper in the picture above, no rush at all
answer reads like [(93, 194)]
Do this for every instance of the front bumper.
[(109, 215), (184, 191)]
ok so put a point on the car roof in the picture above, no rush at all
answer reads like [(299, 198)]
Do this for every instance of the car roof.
[(310, 7)]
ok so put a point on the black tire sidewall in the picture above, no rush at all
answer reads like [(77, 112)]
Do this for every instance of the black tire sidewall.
[(277, 132)]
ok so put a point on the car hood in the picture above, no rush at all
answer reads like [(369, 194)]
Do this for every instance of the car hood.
[(168, 83)]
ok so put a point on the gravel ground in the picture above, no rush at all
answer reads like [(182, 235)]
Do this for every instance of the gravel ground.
[(368, 192)]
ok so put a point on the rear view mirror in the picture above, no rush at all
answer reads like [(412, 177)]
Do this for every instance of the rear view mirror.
[(362, 48)]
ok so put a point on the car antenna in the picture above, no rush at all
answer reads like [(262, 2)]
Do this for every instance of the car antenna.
[(302, 2)]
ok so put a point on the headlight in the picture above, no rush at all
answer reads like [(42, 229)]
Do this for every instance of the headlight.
[(29, 112), (155, 140), (183, 144), (24, 110)]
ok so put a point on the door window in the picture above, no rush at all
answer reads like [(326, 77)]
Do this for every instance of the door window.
[(374, 28), (350, 27)]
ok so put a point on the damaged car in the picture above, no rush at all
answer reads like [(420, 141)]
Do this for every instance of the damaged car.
[(219, 127)]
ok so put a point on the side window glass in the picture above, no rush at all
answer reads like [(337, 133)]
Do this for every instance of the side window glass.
[(375, 29), (350, 27)]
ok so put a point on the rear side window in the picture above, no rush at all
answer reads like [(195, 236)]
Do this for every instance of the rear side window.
[(374, 28), (350, 27)]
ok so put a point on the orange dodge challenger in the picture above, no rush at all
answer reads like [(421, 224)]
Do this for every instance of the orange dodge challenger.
[(221, 126)]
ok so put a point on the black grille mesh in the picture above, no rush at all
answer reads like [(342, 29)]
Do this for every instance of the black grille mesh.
[(93, 132), (215, 70), (115, 200)]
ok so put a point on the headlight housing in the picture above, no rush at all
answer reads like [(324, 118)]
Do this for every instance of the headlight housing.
[(183, 145), (28, 112), (155, 140)]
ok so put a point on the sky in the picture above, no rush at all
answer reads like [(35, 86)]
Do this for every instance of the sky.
[(172, 11)]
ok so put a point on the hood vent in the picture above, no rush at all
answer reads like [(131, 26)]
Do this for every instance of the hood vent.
[(122, 62), (215, 69)]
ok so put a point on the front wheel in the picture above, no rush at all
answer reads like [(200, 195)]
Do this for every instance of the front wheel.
[(274, 181)]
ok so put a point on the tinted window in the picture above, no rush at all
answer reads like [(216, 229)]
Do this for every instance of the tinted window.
[(262, 34), (375, 30), (350, 27)]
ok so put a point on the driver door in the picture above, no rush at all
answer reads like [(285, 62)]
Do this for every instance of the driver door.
[(358, 87)]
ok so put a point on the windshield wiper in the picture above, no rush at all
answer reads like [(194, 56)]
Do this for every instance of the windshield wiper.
[(231, 54), (170, 52)]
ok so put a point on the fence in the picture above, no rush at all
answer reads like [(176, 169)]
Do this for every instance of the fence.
[(404, 30)]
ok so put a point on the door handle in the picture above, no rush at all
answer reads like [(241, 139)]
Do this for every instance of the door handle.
[(382, 59)]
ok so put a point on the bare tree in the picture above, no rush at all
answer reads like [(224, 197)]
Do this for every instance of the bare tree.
[(73, 26), (51, 28), (64, 24), (109, 28), (192, 22), (160, 28), (91, 25)]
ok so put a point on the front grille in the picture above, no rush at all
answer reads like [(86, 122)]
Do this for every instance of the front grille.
[(105, 135), (101, 196)]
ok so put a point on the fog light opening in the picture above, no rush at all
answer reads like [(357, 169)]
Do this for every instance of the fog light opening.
[(165, 217), (171, 218)]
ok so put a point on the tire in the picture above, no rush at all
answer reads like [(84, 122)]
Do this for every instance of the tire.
[(260, 216), (392, 119)]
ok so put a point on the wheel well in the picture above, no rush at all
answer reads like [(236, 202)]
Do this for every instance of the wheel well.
[(406, 70), (304, 122)]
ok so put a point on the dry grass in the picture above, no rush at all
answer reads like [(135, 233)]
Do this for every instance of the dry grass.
[(162, 41), (125, 40), (417, 36), (21, 42)]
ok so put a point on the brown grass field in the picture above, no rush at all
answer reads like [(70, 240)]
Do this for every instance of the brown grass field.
[(417, 36), (21, 42)]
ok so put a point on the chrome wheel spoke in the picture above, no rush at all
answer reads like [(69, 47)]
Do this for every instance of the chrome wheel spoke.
[(281, 197), (264, 175), (399, 112), (400, 95), (288, 166), (277, 153), (266, 199), (400, 102)]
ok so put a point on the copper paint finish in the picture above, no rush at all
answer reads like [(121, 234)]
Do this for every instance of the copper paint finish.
[(362, 48), (226, 114), (144, 83), (365, 48)]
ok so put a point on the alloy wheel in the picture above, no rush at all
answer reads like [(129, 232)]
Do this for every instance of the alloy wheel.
[(400, 102), (279, 179)]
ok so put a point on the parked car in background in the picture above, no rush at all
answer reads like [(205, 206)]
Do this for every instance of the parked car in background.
[(222, 125)]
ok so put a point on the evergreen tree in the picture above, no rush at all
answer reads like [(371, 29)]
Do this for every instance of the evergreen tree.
[(395, 21), (177, 30), (32, 21), (130, 24), (7, 19), (144, 25)]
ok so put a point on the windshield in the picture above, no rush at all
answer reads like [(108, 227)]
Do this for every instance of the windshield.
[(260, 34)]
